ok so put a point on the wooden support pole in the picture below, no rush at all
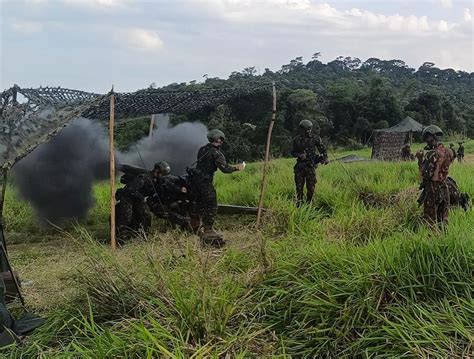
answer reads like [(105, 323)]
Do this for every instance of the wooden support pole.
[(152, 124), (3, 259), (113, 240), (267, 156)]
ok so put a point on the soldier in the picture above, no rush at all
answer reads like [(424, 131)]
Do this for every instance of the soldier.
[(461, 152), (169, 200), (434, 167), (132, 213), (209, 159), (406, 152), (304, 149)]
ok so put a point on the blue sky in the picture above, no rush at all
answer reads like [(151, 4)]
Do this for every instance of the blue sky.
[(94, 44)]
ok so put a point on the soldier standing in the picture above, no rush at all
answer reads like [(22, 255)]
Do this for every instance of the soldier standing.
[(209, 159), (461, 152), (406, 152), (434, 168), (304, 149)]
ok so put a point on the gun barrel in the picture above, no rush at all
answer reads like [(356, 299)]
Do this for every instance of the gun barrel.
[(231, 209), (134, 170)]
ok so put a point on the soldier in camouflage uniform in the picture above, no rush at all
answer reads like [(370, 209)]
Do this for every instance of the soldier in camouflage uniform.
[(209, 159), (131, 209), (434, 168), (461, 152), (170, 199), (406, 152), (304, 149)]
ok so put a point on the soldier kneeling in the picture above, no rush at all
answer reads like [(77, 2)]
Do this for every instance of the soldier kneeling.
[(132, 212)]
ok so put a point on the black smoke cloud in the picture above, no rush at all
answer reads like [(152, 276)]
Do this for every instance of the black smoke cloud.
[(58, 176)]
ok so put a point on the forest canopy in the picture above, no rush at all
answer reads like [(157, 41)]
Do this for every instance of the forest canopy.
[(346, 99)]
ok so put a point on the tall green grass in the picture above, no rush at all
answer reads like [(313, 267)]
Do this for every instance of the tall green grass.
[(355, 274)]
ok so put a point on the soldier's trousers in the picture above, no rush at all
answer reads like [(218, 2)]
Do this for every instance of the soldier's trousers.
[(304, 174), (132, 214), (205, 202), (436, 203)]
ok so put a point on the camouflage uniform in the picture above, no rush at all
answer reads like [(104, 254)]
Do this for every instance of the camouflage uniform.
[(210, 158), (434, 172), (168, 199), (131, 210), (304, 149), (406, 153), (461, 153)]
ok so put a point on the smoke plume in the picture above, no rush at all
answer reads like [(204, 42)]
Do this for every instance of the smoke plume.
[(176, 145), (58, 176)]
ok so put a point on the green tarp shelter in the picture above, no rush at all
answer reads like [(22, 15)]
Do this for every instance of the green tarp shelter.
[(406, 126)]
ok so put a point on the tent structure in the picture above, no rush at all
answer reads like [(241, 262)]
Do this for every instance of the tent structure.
[(388, 142), (29, 117)]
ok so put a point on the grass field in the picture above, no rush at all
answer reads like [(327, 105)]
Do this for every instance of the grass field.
[(356, 274)]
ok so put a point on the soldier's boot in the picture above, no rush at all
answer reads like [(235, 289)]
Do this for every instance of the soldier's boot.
[(210, 237)]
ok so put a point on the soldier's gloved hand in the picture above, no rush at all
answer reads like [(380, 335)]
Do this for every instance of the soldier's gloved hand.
[(184, 190)]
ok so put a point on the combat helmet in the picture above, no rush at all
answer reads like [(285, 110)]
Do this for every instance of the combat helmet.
[(163, 167), (306, 124), (213, 135), (432, 130)]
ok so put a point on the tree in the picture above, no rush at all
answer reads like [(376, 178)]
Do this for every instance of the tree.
[(301, 105)]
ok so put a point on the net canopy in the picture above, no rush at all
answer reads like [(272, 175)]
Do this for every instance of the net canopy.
[(25, 125)]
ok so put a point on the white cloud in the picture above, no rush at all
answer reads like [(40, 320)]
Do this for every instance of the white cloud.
[(142, 39), (447, 3), (333, 20), (25, 26), (467, 15), (99, 4)]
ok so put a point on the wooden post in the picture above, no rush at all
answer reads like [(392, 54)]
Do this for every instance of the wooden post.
[(113, 240), (267, 156), (3, 259), (152, 124)]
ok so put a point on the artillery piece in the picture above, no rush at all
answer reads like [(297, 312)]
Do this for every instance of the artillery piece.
[(177, 209)]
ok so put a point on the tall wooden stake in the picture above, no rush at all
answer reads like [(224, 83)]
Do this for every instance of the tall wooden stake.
[(3, 259), (152, 124), (113, 240), (267, 156)]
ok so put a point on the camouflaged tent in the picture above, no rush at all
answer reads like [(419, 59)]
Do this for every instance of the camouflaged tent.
[(388, 142), (44, 111)]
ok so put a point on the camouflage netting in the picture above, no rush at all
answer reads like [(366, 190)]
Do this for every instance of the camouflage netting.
[(24, 126), (388, 142), (388, 145), (42, 112)]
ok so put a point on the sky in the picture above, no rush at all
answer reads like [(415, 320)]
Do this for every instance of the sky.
[(93, 45)]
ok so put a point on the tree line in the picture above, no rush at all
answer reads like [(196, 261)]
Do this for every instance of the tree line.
[(345, 98)]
